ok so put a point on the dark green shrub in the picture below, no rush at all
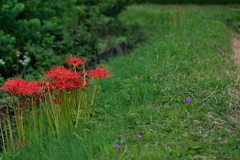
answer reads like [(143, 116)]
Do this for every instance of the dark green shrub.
[(113, 9), (49, 30)]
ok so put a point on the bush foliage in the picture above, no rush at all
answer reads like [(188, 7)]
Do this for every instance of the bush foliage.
[(37, 34)]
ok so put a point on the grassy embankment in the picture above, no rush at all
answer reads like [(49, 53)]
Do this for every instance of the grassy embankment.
[(188, 47)]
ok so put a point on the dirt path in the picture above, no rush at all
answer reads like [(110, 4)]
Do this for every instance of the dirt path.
[(235, 115), (236, 49)]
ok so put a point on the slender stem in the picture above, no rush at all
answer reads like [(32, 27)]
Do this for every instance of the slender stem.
[(81, 106), (78, 111), (6, 134), (41, 120), (46, 109), (35, 124), (16, 118), (95, 94), (55, 111), (10, 127), (3, 138)]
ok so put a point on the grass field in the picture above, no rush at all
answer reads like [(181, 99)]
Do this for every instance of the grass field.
[(186, 55)]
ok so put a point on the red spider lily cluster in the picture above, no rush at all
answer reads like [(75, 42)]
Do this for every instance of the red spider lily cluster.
[(61, 97), (59, 78)]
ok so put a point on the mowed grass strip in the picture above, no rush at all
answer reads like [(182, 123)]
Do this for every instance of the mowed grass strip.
[(187, 54), (189, 47)]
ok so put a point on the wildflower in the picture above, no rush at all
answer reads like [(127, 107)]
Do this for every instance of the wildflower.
[(14, 86), (121, 136), (139, 136), (48, 86), (7, 103), (74, 61), (99, 72), (170, 86), (57, 101), (116, 146), (69, 81), (18, 143), (188, 100), (39, 96), (30, 88), (55, 72), (20, 105), (60, 78)]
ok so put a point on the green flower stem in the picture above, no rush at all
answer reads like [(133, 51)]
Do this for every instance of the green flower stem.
[(41, 120), (28, 114), (16, 118), (95, 93), (55, 113), (78, 111), (63, 116), (46, 109), (20, 120), (6, 134), (66, 110), (21, 123), (35, 123), (56, 118), (81, 106), (10, 127), (3, 138), (25, 118)]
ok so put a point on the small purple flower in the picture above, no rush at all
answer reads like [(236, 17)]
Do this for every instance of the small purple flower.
[(170, 86), (121, 136), (116, 146), (139, 136), (188, 100)]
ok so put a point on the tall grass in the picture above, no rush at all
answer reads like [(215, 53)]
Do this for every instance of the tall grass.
[(187, 55)]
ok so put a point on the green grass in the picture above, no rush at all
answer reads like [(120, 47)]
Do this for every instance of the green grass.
[(188, 47)]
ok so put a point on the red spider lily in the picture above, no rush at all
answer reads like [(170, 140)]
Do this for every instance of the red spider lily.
[(74, 61), (99, 72), (14, 86), (70, 75), (20, 105), (31, 88), (55, 72), (18, 143), (57, 101), (62, 79), (7, 103), (48, 86), (39, 96), (68, 85)]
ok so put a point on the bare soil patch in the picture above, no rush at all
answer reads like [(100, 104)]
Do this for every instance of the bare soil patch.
[(235, 114), (236, 49)]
